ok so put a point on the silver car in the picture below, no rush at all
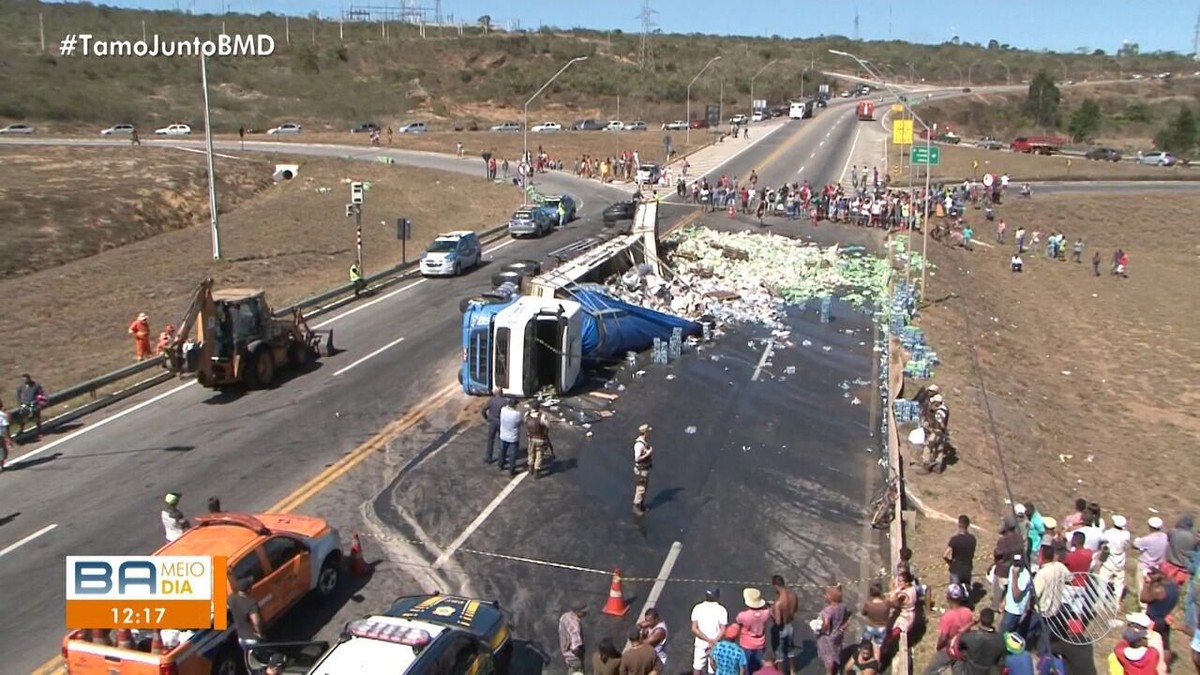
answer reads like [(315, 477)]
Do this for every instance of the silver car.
[(12, 129), (117, 130), (1157, 159)]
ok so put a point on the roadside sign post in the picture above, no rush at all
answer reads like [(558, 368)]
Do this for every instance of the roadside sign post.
[(357, 197), (930, 155), (403, 233)]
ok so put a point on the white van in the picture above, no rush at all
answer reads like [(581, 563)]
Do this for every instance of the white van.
[(796, 111)]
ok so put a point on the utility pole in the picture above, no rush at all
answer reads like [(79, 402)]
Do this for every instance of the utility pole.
[(354, 208), (212, 170)]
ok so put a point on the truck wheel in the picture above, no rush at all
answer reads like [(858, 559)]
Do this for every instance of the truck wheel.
[(299, 355), (229, 661), (526, 267), (480, 299), (260, 371), (507, 276), (331, 574)]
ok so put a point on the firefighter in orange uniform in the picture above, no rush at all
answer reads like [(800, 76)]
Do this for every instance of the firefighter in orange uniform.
[(140, 330)]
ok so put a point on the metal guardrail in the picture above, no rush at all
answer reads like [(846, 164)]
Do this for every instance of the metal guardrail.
[(340, 295)]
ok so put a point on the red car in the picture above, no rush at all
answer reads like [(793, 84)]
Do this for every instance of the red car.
[(699, 124)]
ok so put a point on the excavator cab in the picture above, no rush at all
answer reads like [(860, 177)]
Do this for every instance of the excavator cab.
[(240, 342)]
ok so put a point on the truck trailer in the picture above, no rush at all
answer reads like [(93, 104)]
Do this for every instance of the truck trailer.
[(866, 111)]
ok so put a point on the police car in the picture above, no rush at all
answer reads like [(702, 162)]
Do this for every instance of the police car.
[(424, 635)]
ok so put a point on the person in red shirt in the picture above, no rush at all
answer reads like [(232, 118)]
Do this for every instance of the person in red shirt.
[(954, 622), (1079, 562), (1134, 657)]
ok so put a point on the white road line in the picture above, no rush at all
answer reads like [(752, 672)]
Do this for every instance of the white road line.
[(201, 152), (660, 581), (99, 423), (850, 155), (497, 247), (479, 520), (358, 308), (12, 547), (800, 171), (814, 154), (762, 361), (372, 355), (821, 143)]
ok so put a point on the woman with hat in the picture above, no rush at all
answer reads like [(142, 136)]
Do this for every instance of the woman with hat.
[(832, 630), (753, 621)]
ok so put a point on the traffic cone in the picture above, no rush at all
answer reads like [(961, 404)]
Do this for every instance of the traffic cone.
[(616, 605), (124, 638), (729, 211), (358, 566), (156, 643)]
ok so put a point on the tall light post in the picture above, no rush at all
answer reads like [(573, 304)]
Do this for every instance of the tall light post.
[(1007, 72), (688, 110), (970, 68), (913, 72), (525, 121), (928, 171), (959, 72), (755, 77), (212, 171)]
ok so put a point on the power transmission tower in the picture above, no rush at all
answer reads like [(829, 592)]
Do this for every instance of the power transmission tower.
[(646, 53), (856, 34)]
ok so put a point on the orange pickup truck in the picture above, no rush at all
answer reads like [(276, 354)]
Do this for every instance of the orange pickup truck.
[(285, 556)]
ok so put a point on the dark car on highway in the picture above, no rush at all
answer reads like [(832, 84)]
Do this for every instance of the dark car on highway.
[(588, 125), (365, 128), (620, 211), (1107, 154)]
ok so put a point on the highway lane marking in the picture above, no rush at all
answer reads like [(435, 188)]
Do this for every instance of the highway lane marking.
[(371, 303), (373, 354), (325, 478), (800, 171), (821, 143), (660, 581), (21, 542), (850, 155), (763, 360), (99, 423), (479, 520)]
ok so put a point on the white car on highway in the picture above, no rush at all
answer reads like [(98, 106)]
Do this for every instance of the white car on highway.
[(118, 129), (677, 125), (174, 130), (756, 117), (16, 129), (636, 125), (614, 125), (507, 126), (1157, 159), (287, 128), (545, 127)]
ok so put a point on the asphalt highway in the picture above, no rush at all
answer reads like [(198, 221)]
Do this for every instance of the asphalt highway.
[(98, 488)]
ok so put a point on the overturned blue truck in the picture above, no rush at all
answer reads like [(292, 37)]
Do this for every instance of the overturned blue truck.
[(523, 345)]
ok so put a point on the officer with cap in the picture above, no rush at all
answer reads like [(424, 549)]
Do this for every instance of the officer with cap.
[(537, 428), (275, 665), (173, 521), (643, 461)]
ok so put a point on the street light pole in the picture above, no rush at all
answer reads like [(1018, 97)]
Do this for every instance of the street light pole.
[(1007, 72), (928, 143), (688, 108), (970, 68), (755, 77), (212, 171), (912, 71), (525, 121)]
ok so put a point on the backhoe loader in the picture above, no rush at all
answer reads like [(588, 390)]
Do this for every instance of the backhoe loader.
[(238, 342)]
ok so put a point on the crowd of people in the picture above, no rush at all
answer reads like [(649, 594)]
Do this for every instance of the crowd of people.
[(1055, 586)]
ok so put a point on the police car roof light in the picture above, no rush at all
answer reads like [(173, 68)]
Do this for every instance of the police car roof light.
[(389, 632)]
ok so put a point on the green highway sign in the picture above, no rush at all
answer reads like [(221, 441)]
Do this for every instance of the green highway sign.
[(926, 155)]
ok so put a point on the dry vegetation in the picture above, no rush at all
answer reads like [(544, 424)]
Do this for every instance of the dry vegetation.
[(1133, 111), (1092, 381), (959, 163), (323, 73), (292, 239)]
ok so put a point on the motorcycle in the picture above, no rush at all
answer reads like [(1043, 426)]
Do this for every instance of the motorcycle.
[(24, 414)]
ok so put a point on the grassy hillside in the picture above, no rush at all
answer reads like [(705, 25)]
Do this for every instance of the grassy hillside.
[(326, 74), (1132, 112)]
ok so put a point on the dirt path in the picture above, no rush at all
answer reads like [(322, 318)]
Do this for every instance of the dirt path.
[(67, 323), (1091, 382)]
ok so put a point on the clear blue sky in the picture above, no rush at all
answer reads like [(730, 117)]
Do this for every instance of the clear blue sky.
[(1060, 25)]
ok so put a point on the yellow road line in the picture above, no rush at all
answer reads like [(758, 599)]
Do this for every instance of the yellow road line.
[(318, 483)]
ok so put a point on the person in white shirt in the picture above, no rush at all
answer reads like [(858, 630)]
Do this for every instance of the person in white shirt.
[(1016, 263), (1114, 542), (173, 521), (709, 619), (510, 435)]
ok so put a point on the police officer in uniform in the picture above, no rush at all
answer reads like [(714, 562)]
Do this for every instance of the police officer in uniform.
[(537, 428), (937, 426), (643, 461), (356, 279)]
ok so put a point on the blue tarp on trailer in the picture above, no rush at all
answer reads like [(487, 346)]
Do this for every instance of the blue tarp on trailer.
[(611, 327)]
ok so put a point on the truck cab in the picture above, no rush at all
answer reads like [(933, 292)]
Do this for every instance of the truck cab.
[(522, 346)]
